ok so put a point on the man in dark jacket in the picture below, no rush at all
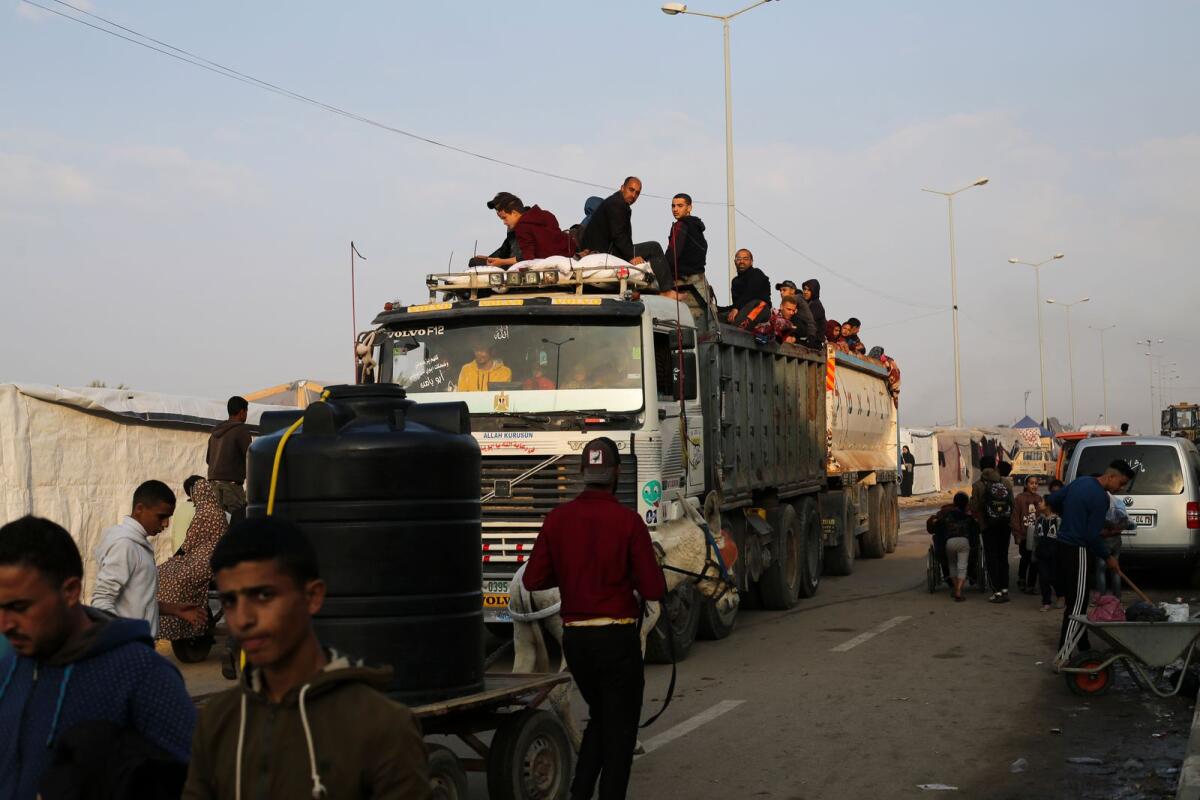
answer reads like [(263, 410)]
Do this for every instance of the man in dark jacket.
[(306, 721), (598, 552), (749, 288), (226, 459), (811, 290), (70, 664), (992, 505), (687, 251), (1083, 506), (610, 229), (806, 328), (536, 231)]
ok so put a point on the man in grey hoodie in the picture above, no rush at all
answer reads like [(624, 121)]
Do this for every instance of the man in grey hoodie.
[(226, 459), (127, 578)]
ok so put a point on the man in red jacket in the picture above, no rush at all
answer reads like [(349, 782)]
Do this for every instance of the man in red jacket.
[(598, 553), (536, 231)]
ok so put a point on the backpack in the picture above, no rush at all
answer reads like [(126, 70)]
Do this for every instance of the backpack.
[(997, 501)]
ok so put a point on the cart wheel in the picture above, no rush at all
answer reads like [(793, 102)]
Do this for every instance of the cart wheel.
[(530, 758), (192, 651), (1089, 684), (933, 572), (447, 777)]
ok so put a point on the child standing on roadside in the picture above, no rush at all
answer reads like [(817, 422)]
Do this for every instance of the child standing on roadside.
[(1044, 535)]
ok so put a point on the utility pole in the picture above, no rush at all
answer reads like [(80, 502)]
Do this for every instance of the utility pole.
[(354, 312), (1104, 365)]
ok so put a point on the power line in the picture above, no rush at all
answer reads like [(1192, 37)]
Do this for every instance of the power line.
[(196, 60)]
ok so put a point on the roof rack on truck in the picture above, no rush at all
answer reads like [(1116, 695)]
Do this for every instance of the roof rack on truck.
[(619, 277)]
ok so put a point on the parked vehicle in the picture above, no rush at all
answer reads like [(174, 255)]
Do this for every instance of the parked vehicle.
[(1163, 498), (1182, 419), (787, 452), (1066, 446)]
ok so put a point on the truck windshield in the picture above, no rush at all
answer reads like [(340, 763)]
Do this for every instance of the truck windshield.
[(530, 367)]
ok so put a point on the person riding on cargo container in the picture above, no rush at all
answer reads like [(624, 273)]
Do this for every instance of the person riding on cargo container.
[(476, 376), (811, 290), (806, 327), (750, 289), (850, 329)]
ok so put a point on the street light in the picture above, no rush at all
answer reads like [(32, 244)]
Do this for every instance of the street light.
[(958, 412), (1070, 350), (673, 9), (1103, 364), (1149, 343), (1037, 282)]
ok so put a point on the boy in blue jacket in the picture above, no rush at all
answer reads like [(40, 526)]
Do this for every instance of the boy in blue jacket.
[(71, 664), (1083, 506)]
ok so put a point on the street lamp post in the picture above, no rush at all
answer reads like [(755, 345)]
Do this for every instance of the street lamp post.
[(673, 9), (1070, 350), (1037, 282), (1154, 421), (958, 412), (1103, 364)]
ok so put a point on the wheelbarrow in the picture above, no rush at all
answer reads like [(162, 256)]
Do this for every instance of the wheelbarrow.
[(1146, 648)]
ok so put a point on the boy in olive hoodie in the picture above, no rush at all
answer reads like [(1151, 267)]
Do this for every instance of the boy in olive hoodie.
[(306, 721)]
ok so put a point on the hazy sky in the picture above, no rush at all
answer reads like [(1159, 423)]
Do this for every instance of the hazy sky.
[(177, 231)]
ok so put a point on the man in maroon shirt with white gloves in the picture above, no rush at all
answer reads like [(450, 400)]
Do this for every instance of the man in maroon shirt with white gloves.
[(598, 553)]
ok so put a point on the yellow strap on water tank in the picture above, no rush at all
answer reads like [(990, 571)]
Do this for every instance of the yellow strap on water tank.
[(279, 458)]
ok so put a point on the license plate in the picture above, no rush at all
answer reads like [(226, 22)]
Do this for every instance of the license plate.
[(495, 587), (1143, 520)]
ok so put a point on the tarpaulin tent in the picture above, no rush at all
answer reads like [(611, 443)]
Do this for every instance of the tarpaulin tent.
[(75, 456), (923, 445)]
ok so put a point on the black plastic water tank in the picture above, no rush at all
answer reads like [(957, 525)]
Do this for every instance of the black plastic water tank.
[(388, 492)]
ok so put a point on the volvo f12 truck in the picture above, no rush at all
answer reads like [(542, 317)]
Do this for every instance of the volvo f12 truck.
[(788, 451)]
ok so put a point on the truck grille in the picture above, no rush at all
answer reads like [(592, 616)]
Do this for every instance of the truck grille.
[(511, 523)]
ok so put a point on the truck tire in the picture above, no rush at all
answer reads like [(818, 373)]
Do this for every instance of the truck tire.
[(891, 515), (872, 541), (812, 554), (839, 559), (680, 619), (715, 625), (530, 758), (779, 586), (447, 777)]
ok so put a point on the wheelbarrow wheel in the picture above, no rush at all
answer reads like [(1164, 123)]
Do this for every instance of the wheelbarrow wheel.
[(1089, 684), (447, 777)]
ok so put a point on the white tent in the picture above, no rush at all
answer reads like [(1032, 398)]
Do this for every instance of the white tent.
[(75, 456), (923, 445)]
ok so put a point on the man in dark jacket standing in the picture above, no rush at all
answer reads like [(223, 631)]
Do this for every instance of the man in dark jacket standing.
[(227, 448), (1083, 506), (599, 553), (71, 665), (811, 290), (992, 504), (687, 252)]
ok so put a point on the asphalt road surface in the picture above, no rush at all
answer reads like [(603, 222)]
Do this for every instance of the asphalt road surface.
[(875, 687)]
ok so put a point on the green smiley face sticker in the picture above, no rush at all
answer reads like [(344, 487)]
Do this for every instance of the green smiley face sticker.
[(652, 492)]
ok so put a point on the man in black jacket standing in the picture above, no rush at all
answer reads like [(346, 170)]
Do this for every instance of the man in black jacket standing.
[(750, 287)]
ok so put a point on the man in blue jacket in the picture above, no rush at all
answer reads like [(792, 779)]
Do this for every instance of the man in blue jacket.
[(71, 664), (1083, 506)]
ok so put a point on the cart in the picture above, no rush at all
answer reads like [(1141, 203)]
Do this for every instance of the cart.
[(1143, 647), (530, 755)]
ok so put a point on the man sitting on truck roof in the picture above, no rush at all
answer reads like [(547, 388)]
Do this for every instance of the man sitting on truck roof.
[(475, 376), (610, 229), (536, 232)]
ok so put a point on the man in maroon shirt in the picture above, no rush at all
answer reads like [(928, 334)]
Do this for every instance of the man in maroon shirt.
[(598, 553)]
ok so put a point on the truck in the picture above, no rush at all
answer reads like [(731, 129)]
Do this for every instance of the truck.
[(1182, 419), (786, 451)]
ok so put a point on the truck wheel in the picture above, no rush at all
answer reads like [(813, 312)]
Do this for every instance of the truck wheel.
[(779, 585), (714, 624), (891, 516), (872, 540), (839, 559), (812, 554), (530, 758), (447, 777), (680, 620)]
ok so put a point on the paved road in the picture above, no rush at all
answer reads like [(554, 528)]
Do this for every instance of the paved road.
[(875, 687)]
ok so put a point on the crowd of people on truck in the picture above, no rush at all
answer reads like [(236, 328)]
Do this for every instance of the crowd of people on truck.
[(678, 271), (1067, 540)]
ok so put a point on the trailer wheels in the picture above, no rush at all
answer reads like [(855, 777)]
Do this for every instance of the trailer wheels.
[(715, 624), (891, 518), (812, 553), (872, 541), (839, 559), (447, 777), (680, 620), (779, 585), (530, 758)]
